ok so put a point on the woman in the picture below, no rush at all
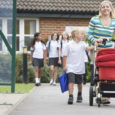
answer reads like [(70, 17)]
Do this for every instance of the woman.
[(53, 49), (102, 26)]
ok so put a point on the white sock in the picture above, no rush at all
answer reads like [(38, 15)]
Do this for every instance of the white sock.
[(39, 80), (36, 79), (51, 80)]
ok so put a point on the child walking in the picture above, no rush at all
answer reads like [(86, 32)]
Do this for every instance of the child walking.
[(83, 38), (63, 43), (53, 49), (37, 56), (73, 63)]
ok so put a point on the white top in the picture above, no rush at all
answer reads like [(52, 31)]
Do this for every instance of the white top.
[(75, 57), (85, 55), (54, 45), (64, 43), (38, 49)]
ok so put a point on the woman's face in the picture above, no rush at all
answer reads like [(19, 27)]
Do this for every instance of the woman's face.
[(54, 36), (106, 9)]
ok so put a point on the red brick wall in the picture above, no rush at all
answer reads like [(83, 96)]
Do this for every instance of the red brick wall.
[(49, 25)]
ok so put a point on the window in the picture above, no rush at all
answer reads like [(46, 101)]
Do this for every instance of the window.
[(25, 29), (0, 36), (9, 31), (0, 43), (29, 26), (28, 42), (17, 36), (17, 26), (9, 26), (29, 30), (17, 43), (0, 24)]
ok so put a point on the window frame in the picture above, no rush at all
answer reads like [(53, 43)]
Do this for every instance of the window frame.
[(21, 34)]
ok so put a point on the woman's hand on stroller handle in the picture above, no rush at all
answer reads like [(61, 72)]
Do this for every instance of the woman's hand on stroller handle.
[(103, 41)]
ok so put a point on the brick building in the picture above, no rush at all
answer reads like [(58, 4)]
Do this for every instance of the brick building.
[(47, 16)]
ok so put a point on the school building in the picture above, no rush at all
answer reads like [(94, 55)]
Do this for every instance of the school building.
[(47, 16)]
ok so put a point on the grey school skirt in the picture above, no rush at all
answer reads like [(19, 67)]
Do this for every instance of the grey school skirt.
[(53, 61), (37, 62)]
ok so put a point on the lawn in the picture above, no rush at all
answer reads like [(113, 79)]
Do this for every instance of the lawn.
[(19, 88)]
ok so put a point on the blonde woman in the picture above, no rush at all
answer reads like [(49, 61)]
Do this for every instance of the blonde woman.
[(103, 26), (73, 63)]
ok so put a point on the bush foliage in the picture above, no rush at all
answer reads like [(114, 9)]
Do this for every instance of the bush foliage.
[(45, 77)]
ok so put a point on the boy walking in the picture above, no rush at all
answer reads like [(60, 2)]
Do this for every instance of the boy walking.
[(73, 63)]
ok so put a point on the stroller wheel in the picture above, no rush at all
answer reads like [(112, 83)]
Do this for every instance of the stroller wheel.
[(91, 96)]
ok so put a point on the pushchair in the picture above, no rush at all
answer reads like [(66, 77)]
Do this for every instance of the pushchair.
[(103, 82)]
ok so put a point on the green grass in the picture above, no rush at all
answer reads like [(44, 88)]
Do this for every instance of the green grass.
[(19, 88)]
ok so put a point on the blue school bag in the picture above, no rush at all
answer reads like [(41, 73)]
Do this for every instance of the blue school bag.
[(63, 80)]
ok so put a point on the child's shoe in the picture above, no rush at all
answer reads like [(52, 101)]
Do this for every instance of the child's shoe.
[(51, 82), (79, 99), (54, 83), (37, 84), (70, 100)]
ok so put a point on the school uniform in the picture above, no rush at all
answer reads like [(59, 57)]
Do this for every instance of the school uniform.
[(86, 62), (75, 61), (38, 54), (53, 47), (63, 44)]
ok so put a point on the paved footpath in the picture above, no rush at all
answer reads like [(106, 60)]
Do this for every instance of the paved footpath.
[(48, 100)]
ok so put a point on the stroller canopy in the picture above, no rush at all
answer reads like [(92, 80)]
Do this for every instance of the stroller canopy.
[(105, 58)]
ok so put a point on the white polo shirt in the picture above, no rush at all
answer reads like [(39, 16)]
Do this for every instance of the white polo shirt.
[(54, 45), (38, 49), (85, 54), (64, 43), (75, 57)]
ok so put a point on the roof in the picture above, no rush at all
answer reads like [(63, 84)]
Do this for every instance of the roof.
[(6, 4), (60, 5), (6, 8), (55, 8)]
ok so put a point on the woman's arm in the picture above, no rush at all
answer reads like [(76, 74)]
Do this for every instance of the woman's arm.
[(91, 31)]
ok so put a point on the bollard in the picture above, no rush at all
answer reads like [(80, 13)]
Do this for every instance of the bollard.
[(25, 64)]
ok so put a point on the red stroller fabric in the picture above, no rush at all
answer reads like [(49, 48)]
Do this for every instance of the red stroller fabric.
[(106, 51), (105, 60)]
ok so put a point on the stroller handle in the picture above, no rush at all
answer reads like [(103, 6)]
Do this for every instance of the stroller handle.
[(105, 39)]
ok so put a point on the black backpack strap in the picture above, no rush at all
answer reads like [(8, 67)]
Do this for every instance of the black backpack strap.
[(61, 44), (48, 48)]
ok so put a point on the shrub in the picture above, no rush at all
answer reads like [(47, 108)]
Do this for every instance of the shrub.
[(31, 76), (45, 77), (19, 68)]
